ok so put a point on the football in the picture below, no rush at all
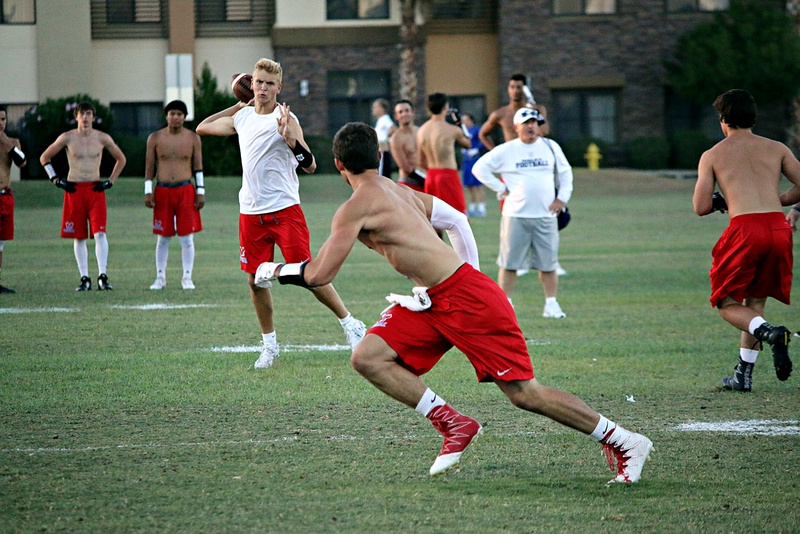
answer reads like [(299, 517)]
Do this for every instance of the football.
[(242, 86)]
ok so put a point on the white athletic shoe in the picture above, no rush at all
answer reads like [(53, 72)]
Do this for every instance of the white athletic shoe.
[(354, 330), (522, 272), (269, 351), (560, 271), (553, 311), (187, 283), (160, 283), (629, 451)]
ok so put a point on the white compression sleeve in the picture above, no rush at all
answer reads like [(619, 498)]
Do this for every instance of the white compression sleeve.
[(187, 254), (101, 251), (81, 256), (445, 217), (162, 255)]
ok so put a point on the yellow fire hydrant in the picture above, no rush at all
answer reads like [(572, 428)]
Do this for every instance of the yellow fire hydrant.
[(593, 157)]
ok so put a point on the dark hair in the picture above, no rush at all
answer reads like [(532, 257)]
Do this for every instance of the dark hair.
[(404, 101), (3, 108), (84, 106), (382, 102), (356, 146), (436, 102), (518, 78), (176, 105), (470, 115), (736, 108)]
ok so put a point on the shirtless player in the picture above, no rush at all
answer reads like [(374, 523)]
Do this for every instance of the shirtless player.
[(403, 144), (10, 152), (753, 258), (174, 154), (84, 191), (437, 139)]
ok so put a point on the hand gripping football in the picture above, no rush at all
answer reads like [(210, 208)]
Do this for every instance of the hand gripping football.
[(242, 86)]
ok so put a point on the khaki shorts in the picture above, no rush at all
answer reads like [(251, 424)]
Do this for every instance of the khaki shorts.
[(528, 244)]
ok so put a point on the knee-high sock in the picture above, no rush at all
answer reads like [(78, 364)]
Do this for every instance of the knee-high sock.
[(162, 254), (81, 256), (187, 254), (101, 251)]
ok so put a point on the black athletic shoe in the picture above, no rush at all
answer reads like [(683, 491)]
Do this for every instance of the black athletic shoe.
[(742, 379), (86, 284), (102, 283), (778, 338), (4, 289)]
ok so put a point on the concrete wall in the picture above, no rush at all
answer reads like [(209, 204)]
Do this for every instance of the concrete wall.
[(19, 83)]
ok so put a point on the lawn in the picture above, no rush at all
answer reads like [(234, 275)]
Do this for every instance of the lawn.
[(139, 411)]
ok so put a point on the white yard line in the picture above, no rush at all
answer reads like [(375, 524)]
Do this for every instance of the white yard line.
[(284, 348)]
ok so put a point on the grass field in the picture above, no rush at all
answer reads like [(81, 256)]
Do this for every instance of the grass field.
[(139, 411)]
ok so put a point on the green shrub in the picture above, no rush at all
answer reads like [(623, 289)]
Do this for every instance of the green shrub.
[(575, 150), (649, 153), (134, 149), (687, 147), (320, 146)]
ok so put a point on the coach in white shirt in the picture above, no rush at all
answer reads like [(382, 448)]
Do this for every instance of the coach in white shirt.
[(528, 166)]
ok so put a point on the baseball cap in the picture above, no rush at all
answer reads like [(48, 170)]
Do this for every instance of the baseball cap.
[(526, 114)]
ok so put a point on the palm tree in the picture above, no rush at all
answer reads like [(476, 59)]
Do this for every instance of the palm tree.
[(409, 41)]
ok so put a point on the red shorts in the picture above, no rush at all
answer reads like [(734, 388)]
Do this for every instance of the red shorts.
[(470, 312), (258, 235), (6, 215), (753, 258), (175, 211), (445, 184), (81, 206)]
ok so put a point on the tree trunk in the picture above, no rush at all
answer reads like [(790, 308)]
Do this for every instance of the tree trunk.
[(409, 39)]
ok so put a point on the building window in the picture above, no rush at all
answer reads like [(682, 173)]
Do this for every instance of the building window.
[(138, 119), (586, 113), (234, 18), (351, 93), (357, 9), (129, 19), (584, 7), (461, 9), (17, 11), (224, 10), (685, 115), (133, 11), (688, 6)]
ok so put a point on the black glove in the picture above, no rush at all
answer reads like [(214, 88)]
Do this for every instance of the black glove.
[(66, 185), (102, 185), (718, 203), (455, 116)]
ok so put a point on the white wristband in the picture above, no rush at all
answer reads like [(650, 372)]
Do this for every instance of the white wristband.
[(148, 187), (51, 172), (198, 179), (200, 191)]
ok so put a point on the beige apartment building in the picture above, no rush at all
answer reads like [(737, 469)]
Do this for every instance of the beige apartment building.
[(596, 64)]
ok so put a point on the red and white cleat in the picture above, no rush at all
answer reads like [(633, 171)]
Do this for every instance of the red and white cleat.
[(459, 432), (629, 451)]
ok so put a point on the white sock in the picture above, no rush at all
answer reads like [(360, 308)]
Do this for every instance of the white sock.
[(101, 251), (187, 254), (755, 323), (347, 320), (549, 300), (81, 256), (748, 355), (162, 255), (269, 338), (428, 402), (603, 426)]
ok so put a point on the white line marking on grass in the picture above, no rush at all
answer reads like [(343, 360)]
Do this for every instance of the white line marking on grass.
[(148, 307), (38, 310), (284, 348), (753, 427)]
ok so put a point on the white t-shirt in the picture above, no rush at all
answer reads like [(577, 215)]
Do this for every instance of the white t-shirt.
[(382, 127), (527, 170), (269, 168)]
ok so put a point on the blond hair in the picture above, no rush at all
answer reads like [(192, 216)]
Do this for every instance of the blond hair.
[(271, 67)]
